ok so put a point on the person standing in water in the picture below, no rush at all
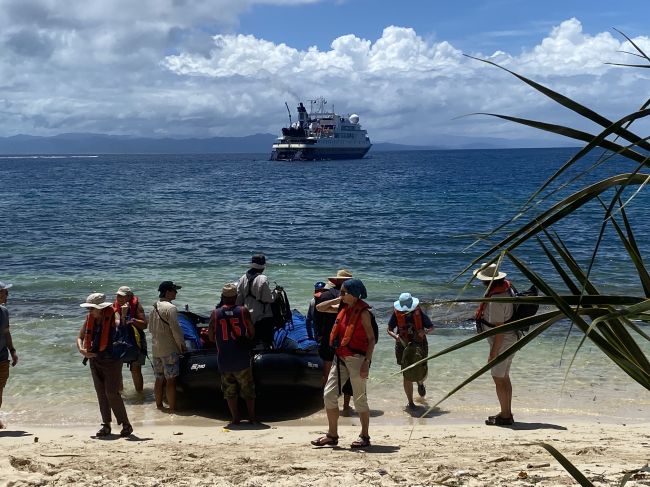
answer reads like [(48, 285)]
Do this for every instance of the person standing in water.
[(7, 348)]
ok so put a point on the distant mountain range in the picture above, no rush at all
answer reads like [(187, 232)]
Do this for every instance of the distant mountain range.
[(258, 143)]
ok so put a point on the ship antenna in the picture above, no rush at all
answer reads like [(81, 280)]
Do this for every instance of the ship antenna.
[(287, 105)]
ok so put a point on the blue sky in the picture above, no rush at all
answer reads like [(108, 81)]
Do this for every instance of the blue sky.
[(201, 68), (467, 24)]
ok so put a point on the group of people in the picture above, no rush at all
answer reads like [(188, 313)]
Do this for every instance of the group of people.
[(341, 319)]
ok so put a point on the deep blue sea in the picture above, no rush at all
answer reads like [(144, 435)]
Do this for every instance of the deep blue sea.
[(400, 221)]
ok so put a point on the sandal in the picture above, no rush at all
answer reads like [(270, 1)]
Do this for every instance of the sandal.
[(127, 430), (326, 440), (361, 442), (500, 421), (105, 430), (422, 390)]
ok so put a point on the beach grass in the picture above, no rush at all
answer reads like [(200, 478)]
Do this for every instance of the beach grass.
[(616, 324)]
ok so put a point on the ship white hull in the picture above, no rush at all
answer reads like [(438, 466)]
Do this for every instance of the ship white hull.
[(307, 152)]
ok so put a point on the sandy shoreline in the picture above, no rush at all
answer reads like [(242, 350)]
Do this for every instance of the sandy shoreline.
[(280, 454)]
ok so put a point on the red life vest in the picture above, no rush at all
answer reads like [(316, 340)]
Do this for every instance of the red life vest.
[(96, 340), (346, 327), (403, 326), (500, 288)]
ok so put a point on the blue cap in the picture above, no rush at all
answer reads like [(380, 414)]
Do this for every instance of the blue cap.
[(318, 285)]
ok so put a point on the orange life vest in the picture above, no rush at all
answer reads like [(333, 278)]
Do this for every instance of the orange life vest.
[(133, 306), (97, 340), (501, 288), (352, 336), (403, 326), (136, 333)]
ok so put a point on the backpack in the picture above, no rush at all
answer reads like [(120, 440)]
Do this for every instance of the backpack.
[(281, 309), (413, 353), (523, 310), (375, 327), (124, 346)]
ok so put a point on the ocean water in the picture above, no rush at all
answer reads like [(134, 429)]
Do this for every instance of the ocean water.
[(399, 221)]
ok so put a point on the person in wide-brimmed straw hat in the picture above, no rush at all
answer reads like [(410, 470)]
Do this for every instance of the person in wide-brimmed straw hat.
[(412, 325), (489, 273), (7, 351), (95, 344), (489, 315)]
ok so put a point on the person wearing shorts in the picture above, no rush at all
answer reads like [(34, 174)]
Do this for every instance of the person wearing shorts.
[(491, 315), (231, 328), (167, 343)]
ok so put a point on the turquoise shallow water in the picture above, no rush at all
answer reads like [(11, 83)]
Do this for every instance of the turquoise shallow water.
[(400, 221)]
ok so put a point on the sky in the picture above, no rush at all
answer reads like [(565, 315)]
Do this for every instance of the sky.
[(204, 68)]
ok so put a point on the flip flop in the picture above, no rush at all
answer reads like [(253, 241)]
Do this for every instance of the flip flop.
[(361, 442), (327, 440)]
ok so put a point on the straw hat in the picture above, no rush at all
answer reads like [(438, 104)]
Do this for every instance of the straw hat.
[(229, 290), (341, 275), (489, 273)]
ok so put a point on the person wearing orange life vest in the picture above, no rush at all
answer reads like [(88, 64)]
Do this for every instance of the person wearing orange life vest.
[(130, 311), (95, 343), (489, 315), (353, 338), (412, 325)]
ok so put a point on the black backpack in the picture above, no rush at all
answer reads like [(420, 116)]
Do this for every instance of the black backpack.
[(375, 327), (524, 310), (281, 308)]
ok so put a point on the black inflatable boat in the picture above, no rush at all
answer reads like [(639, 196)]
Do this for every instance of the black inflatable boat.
[(292, 363)]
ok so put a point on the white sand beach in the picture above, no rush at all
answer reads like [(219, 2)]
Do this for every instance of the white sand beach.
[(280, 454)]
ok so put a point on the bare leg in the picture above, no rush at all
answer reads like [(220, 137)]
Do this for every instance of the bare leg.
[(233, 405), (2, 425), (170, 389), (408, 389), (365, 422), (504, 394), (333, 422), (250, 405), (158, 392), (136, 374)]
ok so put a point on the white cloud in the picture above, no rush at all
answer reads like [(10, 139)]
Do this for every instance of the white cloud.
[(152, 68)]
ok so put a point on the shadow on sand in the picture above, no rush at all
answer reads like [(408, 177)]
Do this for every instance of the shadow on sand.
[(14, 434), (276, 405), (536, 426)]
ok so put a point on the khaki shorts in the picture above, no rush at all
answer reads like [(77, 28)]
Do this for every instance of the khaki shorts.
[(4, 374), (238, 383), (502, 369)]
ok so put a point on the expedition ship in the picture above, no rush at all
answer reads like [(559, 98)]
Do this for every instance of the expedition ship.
[(321, 135)]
